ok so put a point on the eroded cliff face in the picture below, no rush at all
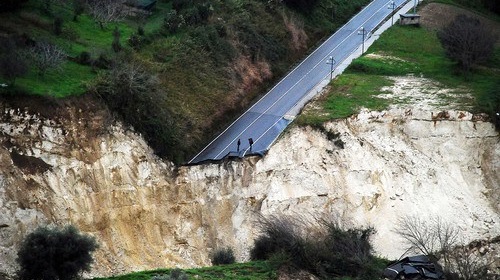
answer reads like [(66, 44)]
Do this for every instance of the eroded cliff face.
[(375, 168)]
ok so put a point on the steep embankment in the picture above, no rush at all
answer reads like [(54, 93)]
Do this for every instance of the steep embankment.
[(145, 214)]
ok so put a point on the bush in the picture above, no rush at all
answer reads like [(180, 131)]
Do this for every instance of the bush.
[(12, 65), (223, 256), (301, 5), (11, 5), (173, 21), (344, 252), (52, 253), (279, 235), (84, 58), (327, 250), (58, 26), (116, 45), (135, 41)]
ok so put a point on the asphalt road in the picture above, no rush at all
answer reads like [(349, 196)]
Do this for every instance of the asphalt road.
[(265, 120)]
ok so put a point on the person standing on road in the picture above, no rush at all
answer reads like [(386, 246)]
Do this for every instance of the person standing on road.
[(239, 143), (250, 141)]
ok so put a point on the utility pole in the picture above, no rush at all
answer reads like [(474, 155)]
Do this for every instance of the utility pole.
[(331, 62), (362, 31), (392, 6), (415, 7)]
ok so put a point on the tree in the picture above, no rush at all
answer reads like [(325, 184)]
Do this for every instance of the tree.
[(105, 11), (58, 25), (426, 236), (53, 253), (301, 5), (467, 41), (440, 241), (45, 56), (78, 8), (11, 5), (116, 40), (173, 21), (12, 64), (492, 5)]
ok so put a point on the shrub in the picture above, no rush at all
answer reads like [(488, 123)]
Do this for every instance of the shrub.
[(173, 21), (11, 5), (343, 252), (223, 256), (12, 65), (140, 31), (301, 5), (84, 58), (279, 235), (52, 253), (327, 250), (135, 41), (78, 8), (102, 62), (58, 25), (116, 45)]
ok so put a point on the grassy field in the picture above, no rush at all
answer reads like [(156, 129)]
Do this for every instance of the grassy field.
[(76, 37), (411, 50), (257, 270)]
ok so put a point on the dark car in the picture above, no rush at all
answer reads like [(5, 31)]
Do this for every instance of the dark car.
[(416, 267)]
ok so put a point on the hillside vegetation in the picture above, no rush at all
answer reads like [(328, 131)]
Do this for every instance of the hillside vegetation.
[(178, 75), (414, 51)]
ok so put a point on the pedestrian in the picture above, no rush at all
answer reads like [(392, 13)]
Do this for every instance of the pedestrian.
[(250, 141), (239, 143)]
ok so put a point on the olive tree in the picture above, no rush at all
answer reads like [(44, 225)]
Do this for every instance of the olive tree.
[(12, 64), (55, 254)]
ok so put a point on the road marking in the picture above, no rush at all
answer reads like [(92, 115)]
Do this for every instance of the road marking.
[(292, 87)]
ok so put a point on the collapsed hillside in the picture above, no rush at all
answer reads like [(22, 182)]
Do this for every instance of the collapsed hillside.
[(146, 214), (68, 161), (179, 75)]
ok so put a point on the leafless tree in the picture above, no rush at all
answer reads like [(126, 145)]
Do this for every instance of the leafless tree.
[(467, 264), (45, 56), (440, 240), (426, 236), (468, 41), (105, 11)]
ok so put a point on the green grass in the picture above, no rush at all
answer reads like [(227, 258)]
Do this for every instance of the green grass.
[(57, 83), (77, 36), (411, 50), (257, 270)]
